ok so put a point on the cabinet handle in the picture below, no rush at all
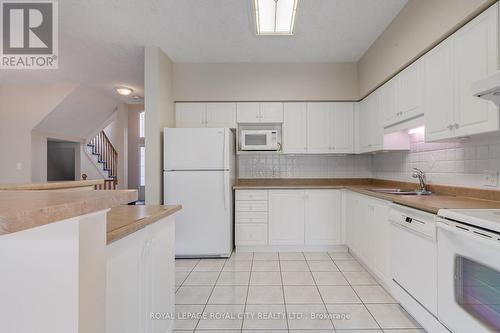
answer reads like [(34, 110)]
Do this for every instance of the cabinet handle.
[(456, 126), (450, 127)]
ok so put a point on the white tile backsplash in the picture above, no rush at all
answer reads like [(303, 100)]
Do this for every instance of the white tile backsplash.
[(304, 166), (457, 163)]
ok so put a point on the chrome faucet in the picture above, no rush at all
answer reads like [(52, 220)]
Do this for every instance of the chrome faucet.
[(417, 173)]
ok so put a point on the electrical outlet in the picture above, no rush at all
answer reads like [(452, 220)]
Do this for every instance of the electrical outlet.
[(490, 178)]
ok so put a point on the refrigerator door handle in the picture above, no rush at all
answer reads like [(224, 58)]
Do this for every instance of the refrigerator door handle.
[(225, 182)]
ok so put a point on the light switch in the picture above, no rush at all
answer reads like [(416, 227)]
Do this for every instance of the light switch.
[(490, 178)]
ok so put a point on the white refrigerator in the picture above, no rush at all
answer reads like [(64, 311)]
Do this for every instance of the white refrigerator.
[(199, 173)]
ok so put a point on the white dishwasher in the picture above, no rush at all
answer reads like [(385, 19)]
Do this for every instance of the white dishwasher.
[(414, 254)]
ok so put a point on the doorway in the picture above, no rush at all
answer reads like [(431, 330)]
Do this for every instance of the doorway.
[(62, 158)]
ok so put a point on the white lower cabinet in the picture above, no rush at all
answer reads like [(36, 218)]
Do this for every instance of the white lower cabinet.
[(297, 219), (140, 279), (286, 217), (368, 233)]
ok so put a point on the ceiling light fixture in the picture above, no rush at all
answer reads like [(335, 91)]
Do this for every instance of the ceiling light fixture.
[(275, 17), (124, 91)]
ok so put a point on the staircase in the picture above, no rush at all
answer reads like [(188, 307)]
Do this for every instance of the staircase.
[(107, 157)]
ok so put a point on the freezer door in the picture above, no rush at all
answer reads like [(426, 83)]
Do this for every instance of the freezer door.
[(196, 148), (204, 226)]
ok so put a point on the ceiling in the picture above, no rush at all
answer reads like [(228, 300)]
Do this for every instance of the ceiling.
[(101, 42)]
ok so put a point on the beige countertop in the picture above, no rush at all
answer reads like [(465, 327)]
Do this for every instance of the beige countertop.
[(127, 219), (443, 197), (76, 184), (21, 210)]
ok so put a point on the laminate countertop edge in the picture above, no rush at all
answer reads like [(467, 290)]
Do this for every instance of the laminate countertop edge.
[(126, 220), (22, 210)]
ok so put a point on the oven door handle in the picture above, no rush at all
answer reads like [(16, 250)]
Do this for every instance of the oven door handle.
[(470, 235)]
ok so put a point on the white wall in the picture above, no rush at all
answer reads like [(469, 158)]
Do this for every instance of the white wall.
[(461, 163), (265, 81), (22, 107), (134, 141), (159, 107)]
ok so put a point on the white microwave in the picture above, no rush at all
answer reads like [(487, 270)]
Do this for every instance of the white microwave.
[(260, 140)]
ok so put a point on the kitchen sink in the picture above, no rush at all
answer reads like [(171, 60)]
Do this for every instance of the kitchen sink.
[(398, 191)]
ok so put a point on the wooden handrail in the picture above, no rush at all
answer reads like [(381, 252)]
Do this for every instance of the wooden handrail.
[(107, 155)]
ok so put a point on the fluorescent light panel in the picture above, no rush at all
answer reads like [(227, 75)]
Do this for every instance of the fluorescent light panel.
[(275, 17)]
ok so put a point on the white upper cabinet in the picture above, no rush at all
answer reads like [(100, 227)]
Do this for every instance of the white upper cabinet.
[(371, 131), (221, 115), (342, 133), (439, 95), (205, 115), (387, 102), (323, 215), (451, 67), (256, 112), (410, 92), (295, 128), (190, 114), (476, 52), (319, 127)]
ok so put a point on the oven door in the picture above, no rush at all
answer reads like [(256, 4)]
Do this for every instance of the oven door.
[(468, 278)]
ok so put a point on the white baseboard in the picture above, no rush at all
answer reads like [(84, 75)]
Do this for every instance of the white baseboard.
[(291, 248)]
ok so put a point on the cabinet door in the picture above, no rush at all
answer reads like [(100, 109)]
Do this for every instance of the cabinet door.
[(475, 57), (381, 264), (248, 112), (410, 91), (318, 127), (271, 112), (371, 130), (286, 217), (220, 115), (323, 217), (251, 234), (190, 114), (387, 102), (355, 219), (439, 96), (295, 128), (342, 128)]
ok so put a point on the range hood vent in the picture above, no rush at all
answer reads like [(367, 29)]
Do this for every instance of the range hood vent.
[(488, 88)]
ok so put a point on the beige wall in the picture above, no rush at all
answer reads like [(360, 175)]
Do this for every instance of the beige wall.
[(419, 25), (22, 107), (159, 107), (265, 81)]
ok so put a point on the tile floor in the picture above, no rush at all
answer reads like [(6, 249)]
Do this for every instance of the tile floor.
[(284, 292)]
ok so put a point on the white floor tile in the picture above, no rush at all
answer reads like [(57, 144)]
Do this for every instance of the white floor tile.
[(308, 317), (341, 256), (391, 316), (373, 294), (201, 279), (180, 276), (209, 265), (265, 317), (186, 316), (317, 256), (351, 316), (265, 256), (237, 256), (349, 266), (228, 295), (233, 279), (297, 279), (265, 279), (221, 317), (265, 295), (302, 295), (237, 266), (192, 295), (294, 266), (360, 278), (338, 294), (322, 266), (266, 266), (291, 256), (330, 279)]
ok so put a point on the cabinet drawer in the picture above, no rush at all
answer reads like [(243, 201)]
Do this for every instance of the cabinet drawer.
[(251, 195), (251, 206), (251, 217), (251, 234)]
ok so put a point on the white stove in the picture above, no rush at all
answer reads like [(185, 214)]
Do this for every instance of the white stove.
[(469, 269)]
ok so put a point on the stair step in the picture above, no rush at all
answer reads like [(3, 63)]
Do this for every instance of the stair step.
[(90, 145)]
